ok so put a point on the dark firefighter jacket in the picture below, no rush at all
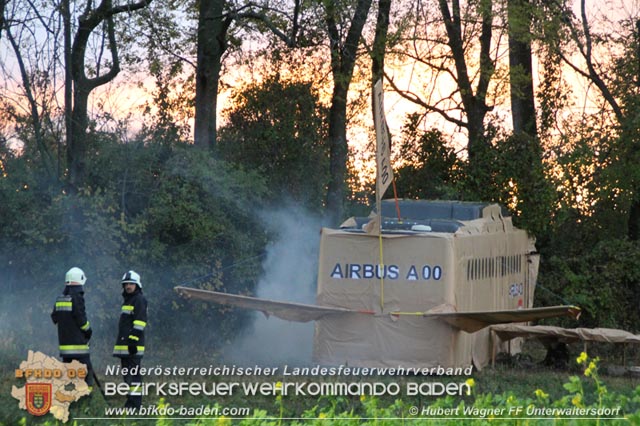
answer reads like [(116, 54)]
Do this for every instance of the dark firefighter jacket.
[(133, 320), (74, 329)]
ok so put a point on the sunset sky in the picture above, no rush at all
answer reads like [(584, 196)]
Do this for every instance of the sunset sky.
[(124, 98)]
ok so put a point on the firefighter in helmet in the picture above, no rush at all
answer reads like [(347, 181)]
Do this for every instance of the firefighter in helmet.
[(74, 329), (129, 345)]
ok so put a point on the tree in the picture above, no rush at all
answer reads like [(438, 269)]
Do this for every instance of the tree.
[(33, 105), (633, 230), (473, 101), (212, 43), (30, 82), (523, 111), (460, 55), (84, 84), (343, 52), (616, 179), (215, 18), (431, 166), (532, 201), (344, 26), (378, 50), (3, 3), (46, 43), (279, 129)]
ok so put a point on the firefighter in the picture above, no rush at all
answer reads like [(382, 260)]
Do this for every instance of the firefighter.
[(74, 329), (129, 346)]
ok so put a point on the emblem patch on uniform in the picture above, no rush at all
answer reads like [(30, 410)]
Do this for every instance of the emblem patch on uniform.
[(38, 398)]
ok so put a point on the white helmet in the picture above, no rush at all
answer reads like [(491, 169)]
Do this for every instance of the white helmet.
[(75, 275), (131, 277)]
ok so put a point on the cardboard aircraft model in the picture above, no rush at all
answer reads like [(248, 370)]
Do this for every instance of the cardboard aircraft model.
[(448, 270)]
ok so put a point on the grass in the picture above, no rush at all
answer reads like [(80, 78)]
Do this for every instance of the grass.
[(524, 381)]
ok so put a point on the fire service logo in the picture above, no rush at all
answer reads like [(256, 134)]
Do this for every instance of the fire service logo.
[(38, 398), (51, 386)]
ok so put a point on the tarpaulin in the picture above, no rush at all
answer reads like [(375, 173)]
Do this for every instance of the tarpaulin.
[(567, 335)]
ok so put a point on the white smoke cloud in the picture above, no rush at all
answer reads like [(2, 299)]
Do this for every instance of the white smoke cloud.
[(290, 270)]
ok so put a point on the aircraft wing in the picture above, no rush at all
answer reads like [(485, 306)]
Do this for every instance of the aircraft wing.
[(300, 312), (476, 320), (289, 311)]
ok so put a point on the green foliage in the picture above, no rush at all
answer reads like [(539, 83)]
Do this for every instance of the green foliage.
[(480, 407), (508, 170), (430, 171), (592, 194), (586, 391), (202, 218), (580, 227), (499, 387), (172, 213), (278, 128), (520, 182), (601, 280)]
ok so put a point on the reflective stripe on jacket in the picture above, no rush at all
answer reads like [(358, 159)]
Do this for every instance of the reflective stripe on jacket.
[(133, 321), (70, 316)]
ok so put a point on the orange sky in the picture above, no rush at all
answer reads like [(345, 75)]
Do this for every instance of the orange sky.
[(123, 99)]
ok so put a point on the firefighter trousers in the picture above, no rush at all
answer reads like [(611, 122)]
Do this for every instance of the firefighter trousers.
[(86, 360), (134, 398)]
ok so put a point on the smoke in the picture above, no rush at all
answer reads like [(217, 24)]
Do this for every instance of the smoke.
[(290, 270), (82, 230)]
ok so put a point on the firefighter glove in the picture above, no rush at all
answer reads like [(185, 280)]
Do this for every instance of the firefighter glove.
[(133, 349), (88, 333)]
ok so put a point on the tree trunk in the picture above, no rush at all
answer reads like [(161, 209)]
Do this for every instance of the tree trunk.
[(77, 139), (68, 79), (380, 41), (83, 85), (343, 59), (212, 32), (633, 221), (520, 69), (530, 180), (475, 128), (379, 47), (3, 3), (473, 101), (338, 151)]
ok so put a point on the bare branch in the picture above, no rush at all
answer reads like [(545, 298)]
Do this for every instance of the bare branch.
[(487, 67), (132, 7), (586, 50), (115, 66), (33, 105), (289, 41), (410, 96)]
